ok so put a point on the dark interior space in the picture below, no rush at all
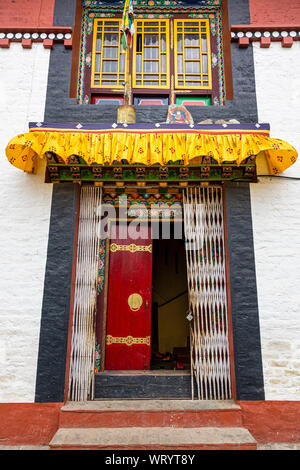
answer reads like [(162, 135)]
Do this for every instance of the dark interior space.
[(170, 328)]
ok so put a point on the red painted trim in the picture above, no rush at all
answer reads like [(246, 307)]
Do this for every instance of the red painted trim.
[(21, 13), (244, 42), (36, 423), (272, 421), (287, 42), (48, 43), (28, 423), (68, 43), (274, 11), (265, 42), (27, 43), (175, 418), (34, 29), (263, 27), (186, 447), (4, 43)]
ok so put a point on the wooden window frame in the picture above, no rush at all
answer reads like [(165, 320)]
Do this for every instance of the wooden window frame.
[(134, 53), (185, 21), (171, 93), (105, 22)]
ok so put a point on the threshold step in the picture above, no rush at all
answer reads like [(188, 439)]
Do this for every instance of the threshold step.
[(153, 437), (150, 405), (133, 385)]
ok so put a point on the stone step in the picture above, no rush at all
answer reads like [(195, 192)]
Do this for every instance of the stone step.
[(167, 438), (143, 384), (144, 413)]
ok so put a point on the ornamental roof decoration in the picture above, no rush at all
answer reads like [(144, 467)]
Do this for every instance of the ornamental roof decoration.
[(154, 4), (149, 152)]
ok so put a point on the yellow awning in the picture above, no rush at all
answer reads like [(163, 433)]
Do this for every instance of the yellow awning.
[(149, 144)]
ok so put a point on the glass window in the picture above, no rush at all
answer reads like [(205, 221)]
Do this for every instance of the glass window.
[(108, 61), (192, 54), (151, 55)]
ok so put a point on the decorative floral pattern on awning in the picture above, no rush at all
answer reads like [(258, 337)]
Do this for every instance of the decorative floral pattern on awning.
[(149, 144)]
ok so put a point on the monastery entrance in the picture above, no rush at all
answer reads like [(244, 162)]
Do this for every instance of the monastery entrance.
[(147, 301), (160, 323)]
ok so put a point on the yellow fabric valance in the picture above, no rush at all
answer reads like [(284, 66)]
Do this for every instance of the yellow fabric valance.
[(149, 146)]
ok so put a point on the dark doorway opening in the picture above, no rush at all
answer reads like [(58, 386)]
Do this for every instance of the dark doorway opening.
[(170, 328)]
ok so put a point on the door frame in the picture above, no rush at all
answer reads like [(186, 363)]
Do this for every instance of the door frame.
[(228, 296), (110, 220)]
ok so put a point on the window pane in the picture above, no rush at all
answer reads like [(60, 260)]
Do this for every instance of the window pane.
[(109, 66), (122, 63), (151, 67), (110, 52), (192, 78), (204, 64), (111, 39), (97, 63), (179, 43), (180, 63), (138, 63), (151, 53), (151, 40), (204, 43), (163, 65), (192, 67), (98, 43), (191, 40), (192, 53), (163, 43)]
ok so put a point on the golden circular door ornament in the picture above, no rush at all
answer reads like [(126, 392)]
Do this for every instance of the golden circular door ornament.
[(135, 302)]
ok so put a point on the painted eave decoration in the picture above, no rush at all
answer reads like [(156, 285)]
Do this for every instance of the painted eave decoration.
[(183, 4), (100, 152)]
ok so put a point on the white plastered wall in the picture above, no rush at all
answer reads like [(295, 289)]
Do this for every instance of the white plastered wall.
[(276, 224), (25, 205)]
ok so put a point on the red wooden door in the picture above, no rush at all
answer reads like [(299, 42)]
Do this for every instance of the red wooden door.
[(128, 324)]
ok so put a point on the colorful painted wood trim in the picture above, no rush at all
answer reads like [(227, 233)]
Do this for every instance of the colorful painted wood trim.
[(26, 36), (265, 34), (143, 176), (249, 128)]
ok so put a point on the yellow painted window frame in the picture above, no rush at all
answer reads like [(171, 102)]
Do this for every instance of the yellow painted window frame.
[(208, 53), (166, 23), (119, 82)]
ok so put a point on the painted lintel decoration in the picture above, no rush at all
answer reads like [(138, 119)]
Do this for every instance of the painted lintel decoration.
[(183, 4)]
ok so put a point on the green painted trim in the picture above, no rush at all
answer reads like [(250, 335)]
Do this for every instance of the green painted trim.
[(153, 174), (205, 99)]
